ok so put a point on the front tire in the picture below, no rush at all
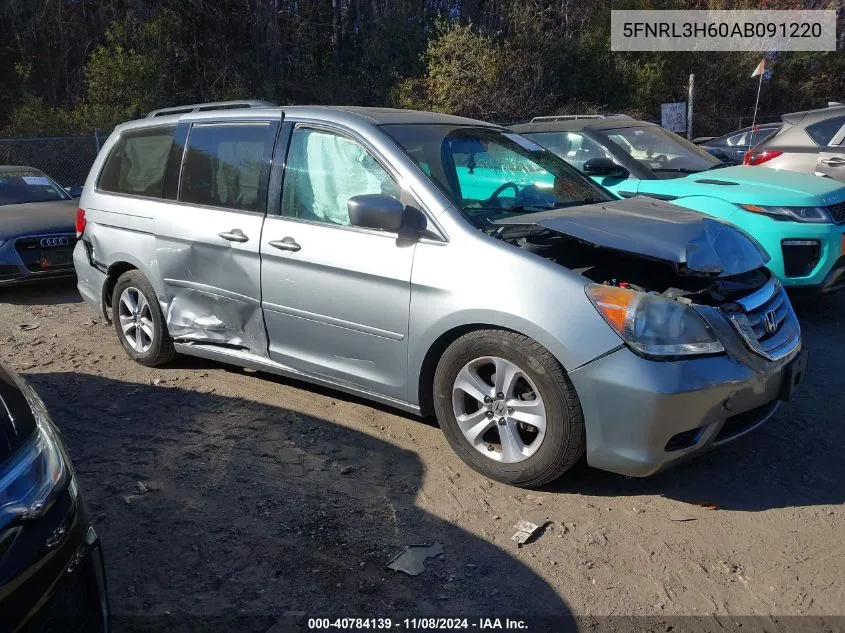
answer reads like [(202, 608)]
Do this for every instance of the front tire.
[(508, 409), (139, 322)]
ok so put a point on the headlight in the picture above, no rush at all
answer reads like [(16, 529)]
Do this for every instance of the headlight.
[(795, 214), (36, 471), (652, 325)]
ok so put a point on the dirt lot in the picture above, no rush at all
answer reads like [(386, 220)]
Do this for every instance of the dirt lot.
[(266, 496)]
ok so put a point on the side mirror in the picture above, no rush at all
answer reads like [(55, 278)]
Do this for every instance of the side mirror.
[(376, 211), (604, 167), (74, 192)]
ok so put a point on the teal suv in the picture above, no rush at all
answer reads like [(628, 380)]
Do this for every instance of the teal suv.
[(798, 218)]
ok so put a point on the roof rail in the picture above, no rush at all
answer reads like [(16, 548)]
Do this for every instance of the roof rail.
[(212, 105), (571, 117)]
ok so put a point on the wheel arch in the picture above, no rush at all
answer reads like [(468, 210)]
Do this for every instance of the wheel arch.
[(113, 273), (425, 383)]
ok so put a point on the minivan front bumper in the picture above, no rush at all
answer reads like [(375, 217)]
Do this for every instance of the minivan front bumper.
[(642, 416)]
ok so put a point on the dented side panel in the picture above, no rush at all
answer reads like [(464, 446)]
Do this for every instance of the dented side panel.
[(212, 291)]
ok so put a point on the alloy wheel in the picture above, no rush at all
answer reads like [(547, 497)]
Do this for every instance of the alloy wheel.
[(499, 409), (136, 320)]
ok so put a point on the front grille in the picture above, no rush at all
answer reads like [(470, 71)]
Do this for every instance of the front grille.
[(38, 257), (738, 424), (9, 272), (682, 440), (766, 322), (837, 212), (74, 608), (800, 257)]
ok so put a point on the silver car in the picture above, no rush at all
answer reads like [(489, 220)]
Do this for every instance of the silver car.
[(812, 142), (36, 227), (443, 266)]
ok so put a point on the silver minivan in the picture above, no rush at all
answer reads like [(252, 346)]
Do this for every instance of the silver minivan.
[(443, 266)]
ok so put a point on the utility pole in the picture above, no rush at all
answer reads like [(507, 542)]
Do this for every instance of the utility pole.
[(689, 106)]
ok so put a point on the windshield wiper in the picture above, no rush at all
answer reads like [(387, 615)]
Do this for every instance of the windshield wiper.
[(678, 170), (517, 208), (719, 166)]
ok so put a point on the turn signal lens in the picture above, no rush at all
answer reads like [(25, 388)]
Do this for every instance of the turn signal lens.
[(612, 303)]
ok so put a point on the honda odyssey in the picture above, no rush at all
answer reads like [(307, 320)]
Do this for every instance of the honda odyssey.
[(443, 266)]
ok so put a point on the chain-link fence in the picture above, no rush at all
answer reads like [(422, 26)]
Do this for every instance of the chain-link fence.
[(66, 159)]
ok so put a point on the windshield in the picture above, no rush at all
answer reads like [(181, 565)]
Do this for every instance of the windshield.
[(661, 151), (490, 173), (573, 147), (19, 186)]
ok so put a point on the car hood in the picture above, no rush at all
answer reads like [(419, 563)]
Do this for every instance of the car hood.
[(752, 185), (694, 243), (37, 217)]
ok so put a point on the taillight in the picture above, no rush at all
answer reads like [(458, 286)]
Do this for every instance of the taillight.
[(80, 222), (759, 157)]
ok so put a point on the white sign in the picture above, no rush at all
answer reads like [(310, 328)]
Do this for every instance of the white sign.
[(719, 30), (673, 116)]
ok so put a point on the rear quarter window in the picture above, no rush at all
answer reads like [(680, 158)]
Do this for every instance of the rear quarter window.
[(137, 162), (824, 131)]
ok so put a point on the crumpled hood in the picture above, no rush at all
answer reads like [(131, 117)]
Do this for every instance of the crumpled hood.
[(693, 242), (752, 185), (37, 217)]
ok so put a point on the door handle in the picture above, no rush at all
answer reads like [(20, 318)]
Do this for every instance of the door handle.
[(834, 162), (285, 244), (235, 235)]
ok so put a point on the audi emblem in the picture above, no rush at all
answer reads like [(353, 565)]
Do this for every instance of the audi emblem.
[(52, 242)]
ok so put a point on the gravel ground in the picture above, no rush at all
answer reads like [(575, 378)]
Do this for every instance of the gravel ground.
[(260, 496)]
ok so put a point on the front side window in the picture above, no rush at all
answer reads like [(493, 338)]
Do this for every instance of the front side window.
[(324, 170), (489, 173), (823, 132), (224, 164), (662, 151), (573, 147), (137, 162), (22, 185)]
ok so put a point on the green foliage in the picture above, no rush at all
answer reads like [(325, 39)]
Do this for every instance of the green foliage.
[(33, 116), (463, 69), (473, 75)]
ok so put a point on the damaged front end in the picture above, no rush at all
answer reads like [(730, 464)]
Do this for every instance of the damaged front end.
[(671, 282)]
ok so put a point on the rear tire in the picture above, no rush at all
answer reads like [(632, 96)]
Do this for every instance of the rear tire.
[(139, 322), (531, 400)]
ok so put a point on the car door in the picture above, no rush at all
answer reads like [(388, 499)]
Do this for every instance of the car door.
[(336, 297), (208, 241), (832, 158)]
